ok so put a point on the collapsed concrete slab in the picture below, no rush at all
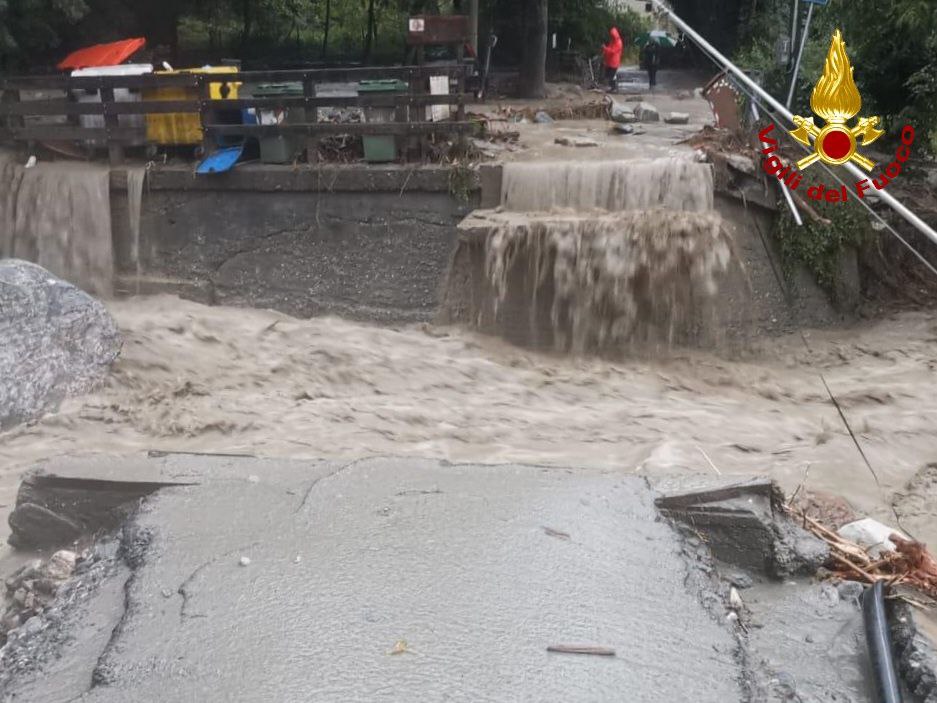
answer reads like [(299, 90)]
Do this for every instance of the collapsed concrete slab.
[(57, 341), (745, 526), (52, 511), (405, 579)]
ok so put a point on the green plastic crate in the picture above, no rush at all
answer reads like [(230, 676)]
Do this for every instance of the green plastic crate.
[(282, 148), (379, 149)]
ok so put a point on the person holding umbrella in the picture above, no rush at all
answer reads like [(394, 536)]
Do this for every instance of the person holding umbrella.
[(650, 56), (611, 57), (651, 43)]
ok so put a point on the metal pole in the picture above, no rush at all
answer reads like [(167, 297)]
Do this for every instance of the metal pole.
[(800, 55), (777, 107), (473, 27), (794, 24), (787, 194)]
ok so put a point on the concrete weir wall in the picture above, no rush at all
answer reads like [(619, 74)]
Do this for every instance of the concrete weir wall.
[(365, 242), (383, 243), (754, 297)]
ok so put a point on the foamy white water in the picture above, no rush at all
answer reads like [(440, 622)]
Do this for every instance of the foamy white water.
[(623, 252), (217, 379), (581, 186), (614, 280), (58, 215)]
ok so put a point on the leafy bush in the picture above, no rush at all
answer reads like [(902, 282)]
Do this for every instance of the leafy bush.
[(819, 246), (893, 47)]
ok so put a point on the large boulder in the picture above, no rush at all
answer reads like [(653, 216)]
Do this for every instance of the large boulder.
[(55, 341)]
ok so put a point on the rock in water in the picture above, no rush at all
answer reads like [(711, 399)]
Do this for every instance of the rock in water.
[(576, 141), (678, 118), (645, 112), (620, 113), (57, 341)]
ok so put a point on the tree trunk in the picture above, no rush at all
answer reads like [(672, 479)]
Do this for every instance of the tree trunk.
[(533, 73), (325, 33), (247, 21), (369, 39)]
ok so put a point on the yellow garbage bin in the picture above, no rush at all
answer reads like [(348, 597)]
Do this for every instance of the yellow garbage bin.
[(185, 128)]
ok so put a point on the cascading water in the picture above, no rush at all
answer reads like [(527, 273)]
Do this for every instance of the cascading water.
[(135, 180), (596, 256), (58, 215), (615, 280), (671, 184)]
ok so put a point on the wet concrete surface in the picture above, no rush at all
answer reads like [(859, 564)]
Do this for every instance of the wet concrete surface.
[(297, 580), (537, 142), (811, 640)]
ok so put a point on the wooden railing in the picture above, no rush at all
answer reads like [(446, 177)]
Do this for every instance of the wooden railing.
[(24, 117)]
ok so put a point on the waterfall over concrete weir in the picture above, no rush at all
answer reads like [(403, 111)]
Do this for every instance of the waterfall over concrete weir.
[(670, 184), (58, 215), (135, 180), (595, 257)]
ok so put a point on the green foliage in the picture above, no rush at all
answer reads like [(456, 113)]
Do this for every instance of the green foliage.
[(34, 34), (584, 24), (820, 246), (8, 44), (462, 180), (893, 47)]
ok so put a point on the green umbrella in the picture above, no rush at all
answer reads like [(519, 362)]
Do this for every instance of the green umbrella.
[(658, 36)]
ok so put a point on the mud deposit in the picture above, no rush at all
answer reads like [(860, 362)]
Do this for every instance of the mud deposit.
[(194, 378)]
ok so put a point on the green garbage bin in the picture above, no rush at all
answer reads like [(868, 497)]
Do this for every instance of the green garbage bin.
[(380, 148), (281, 148)]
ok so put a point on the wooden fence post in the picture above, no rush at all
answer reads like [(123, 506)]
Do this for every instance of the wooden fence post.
[(206, 114), (14, 122), (415, 145), (460, 107), (115, 149), (312, 115)]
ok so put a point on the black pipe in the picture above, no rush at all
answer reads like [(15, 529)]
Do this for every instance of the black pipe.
[(878, 639)]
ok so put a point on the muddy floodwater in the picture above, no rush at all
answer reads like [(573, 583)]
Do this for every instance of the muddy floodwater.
[(212, 379)]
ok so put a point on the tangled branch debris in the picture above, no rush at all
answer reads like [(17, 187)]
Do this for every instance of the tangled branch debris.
[(911, 564)]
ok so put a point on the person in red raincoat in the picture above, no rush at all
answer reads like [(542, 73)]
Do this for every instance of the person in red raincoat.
[(611, 57)]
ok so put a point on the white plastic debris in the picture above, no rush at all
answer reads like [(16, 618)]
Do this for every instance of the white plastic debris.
[(871, 535), (244, 561), (30, 162), (735, 600)]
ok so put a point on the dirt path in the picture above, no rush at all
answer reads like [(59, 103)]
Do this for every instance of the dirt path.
[(202, 379)]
